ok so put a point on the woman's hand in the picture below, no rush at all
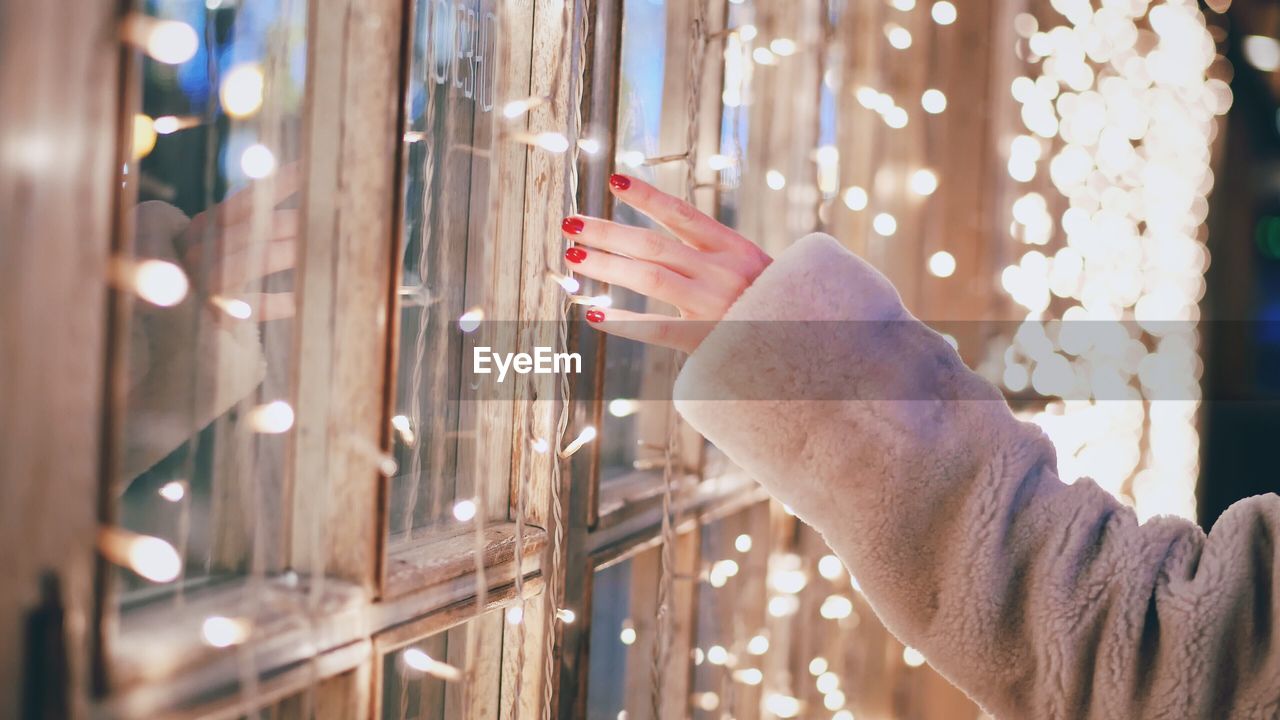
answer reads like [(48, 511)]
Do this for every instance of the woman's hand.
[(701, 271)]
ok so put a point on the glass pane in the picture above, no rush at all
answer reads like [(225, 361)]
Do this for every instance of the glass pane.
[(422, 681), (623, 611), (732, 638), (445, 258), (632, 440), (210, 336)]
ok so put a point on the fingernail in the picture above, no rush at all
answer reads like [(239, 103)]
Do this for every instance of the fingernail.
[(572, 225), (619, 182), (575, 254), (595, 315)]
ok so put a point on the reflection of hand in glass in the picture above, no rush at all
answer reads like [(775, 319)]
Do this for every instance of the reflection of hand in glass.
[(701, 271), (226, 250)]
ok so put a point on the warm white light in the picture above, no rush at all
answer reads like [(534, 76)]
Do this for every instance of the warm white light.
[(515, 614), (944, 13), (942, 264), (748, 32), (272, 418), (631, 158), (570, 285), (784, 706), (899, 37), (154, 559), (788, 581), (904, 5), (817, 666), (775, 180), (540, 446), (1262, 52), (173, 491), (717, 655), (516, 108), (403, 426), (783, 605), (160, 282), (830, 567), (623, 407), (748, 676), (783, 47), (933, 101), (566, 616), (166, 124), (242, 90), (896, 118), (257, 161), (764, 56), (464, 510), (719, 162), (912, 657), (587, 435), (470, 320), (843, 715), (742, 543), (924, 182), (836, 607), (221, 632), (833, 700), (827, 682), (855, 198), (234, 307), (758, 645), (707, 701), (424, 663), (590, 146), (171, 42), (884, 224), (628, 634), (551, 142)]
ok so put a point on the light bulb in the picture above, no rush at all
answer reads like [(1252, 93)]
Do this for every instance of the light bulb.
[(551, 142), (160, 282), (784, 706), (623, 407), (817, 666), (173, 491), (566, 616), (171, 42), (271, 418), (933, 101), (470, 320), (221, 632), (783, 47), (464, 510), (758, 645), (587, 435), (836, 607), (924, 182), (885, 225), (748, 676), (775, 180), (855, 198), (242, 90), (942, 264), (257, 161), (742, 543), (830, 567), (717, 655), (944, 13), (899, 37), (912, 657), (422, 662), (515, 614)]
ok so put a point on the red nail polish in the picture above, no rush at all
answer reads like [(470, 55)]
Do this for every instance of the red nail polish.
[(619, 182), (572, 225), (595, 315), (575, 254)]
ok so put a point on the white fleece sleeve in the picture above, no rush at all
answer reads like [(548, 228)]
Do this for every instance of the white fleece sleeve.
[(1039, 599)]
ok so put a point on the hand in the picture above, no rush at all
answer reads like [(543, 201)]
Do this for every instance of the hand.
[(235, 261), (701, 271)]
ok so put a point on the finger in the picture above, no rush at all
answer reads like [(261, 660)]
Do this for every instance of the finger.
[(664, 330), (239, 206), (680, 217), (238, 269), (634, 242), (236, 238), (644, 277)]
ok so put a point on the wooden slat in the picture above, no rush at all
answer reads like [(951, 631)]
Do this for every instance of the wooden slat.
[(58, 171)]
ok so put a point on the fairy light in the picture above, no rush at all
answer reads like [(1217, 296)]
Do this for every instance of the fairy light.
[(540, 446), (817, 666), (783, 47), (566, 616), (896, 118), (904, 5), (924, 182), (721, 571), (631, 158), (515, 614), (943, 12), (788, 581), (775, 180), (590, 146), (242, 91), (470, 320), (933, 101), (568, 284), (220, 632), (764, 56), (781, 606), (418, 660), (758, 645), (833, 700), (748, 676), (707, 701), (717, 655), (719, 162), (784, 706), (942, 264), (173, 491), (843, 715), (464, 510), (827, 682), (899, 37), (628, 633), (830, 567), (257, 161), (144, 136), (168, 41), (912, 657), (623, 407), (742, 543), (747, 32), (884, 224), (552, 142), (587, 435), (150, 557), (271, 418), (160, 282), (516, 108), (836, 607), (404, 427), (855, 198), (1262, 52)]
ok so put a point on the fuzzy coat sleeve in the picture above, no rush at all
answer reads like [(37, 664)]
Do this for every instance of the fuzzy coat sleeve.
[(1038, 598)]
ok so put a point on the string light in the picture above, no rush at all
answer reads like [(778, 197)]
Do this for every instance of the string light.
[(836, 607), (719, 162), (516, 108), (884, 224), (707, 701), (631, 158), (924, 182), (912, 657), (150, 557), (553, 142), (747, 32), (764, 56), (540, 446), (784, 706), (899, 37), (602, 301), (827, 682), (1262, 52), (758, 645), (783, 47), (160, 282), (271, 418), (933, 101), (833, 700), (220, 632), (623, 407), (748, 676), (587, 435), (424, 663), (168, 41), (781, 606), (628, 633), (242, 90), (742, 543), (173, 491), (904, 5), (855, 198), (944, 13), (830, 567), (470, 320), (590, 146), (234, 307), (404, 427), (843, 715), (464, 510), (566, 616), (717, 655), (515, 614), (257, 161), (942, 264), (896, 117), (817, 666), (775, 180)]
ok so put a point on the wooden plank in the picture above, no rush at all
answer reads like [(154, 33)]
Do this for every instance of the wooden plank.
[(58, 174)]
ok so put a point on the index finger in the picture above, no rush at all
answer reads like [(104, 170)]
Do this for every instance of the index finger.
[(675, 214)]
